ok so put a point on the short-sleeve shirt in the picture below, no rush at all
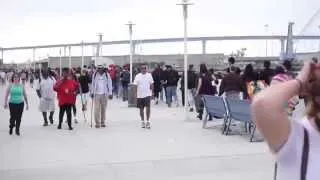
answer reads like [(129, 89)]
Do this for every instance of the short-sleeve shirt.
[(289, 157), (143, 82)]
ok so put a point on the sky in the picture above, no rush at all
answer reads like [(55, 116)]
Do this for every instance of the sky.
[(39, 22)]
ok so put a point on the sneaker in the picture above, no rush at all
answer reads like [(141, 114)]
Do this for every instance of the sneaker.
[(97, 126), (143, 124), (45, 124), (59, 126), (10, 131), (191, 110), (103, 125), (18, 133), (148, 125), (70, 128)]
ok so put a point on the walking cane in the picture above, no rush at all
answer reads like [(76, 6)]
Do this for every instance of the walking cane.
[(91, 110)]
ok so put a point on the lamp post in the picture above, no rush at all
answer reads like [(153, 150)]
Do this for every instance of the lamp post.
[(82, 54), (60, 62), (34, 58), (319, 41), (266, 27), (2, 54), (70, 62), (130, 25), (185, 4)]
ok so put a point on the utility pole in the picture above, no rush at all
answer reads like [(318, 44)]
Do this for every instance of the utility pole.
[(130, 25), (185, 4)]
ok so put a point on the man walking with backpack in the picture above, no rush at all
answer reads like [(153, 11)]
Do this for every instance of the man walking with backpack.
[(101, 90), (125, 80)]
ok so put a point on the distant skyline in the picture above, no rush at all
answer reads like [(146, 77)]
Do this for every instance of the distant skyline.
[(37, 22)]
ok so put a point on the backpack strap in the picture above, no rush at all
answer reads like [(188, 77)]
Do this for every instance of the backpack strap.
[(304, 158)]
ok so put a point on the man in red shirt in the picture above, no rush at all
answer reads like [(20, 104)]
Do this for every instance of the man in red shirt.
[(67, 90)]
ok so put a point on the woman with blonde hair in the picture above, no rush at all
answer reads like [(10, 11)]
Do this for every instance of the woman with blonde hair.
[(295, 144)]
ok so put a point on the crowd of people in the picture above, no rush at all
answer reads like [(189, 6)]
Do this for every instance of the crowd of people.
[(288, 140), (160, 84)]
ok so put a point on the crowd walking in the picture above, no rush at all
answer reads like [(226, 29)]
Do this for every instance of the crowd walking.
[(97, 85)]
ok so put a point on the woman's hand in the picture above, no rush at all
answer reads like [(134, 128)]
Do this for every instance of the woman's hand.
[(27, 107), (5, 105)]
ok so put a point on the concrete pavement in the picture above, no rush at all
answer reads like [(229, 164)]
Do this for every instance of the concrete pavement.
[(173, 149)]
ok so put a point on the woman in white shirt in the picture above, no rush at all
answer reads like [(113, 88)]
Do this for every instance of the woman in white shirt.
[(295, 144)]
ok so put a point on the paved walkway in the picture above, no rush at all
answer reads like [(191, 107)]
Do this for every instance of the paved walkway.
[(173, 149)]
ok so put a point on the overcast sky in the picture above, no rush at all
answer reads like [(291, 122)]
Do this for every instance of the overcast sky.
[(36, 22)]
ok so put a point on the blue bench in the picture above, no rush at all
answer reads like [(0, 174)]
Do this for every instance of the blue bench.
[(215, 106), (240, 110)]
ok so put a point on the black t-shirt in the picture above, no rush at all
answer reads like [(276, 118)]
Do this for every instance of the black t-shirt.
[(84, 83), (172, 78)]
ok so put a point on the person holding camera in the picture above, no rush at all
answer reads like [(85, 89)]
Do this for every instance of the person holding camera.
[(100, 91)]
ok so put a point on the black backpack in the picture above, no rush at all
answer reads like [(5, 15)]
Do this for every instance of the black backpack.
[(125, 77)]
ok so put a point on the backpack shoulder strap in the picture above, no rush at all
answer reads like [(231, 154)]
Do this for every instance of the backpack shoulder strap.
[(305, 156)]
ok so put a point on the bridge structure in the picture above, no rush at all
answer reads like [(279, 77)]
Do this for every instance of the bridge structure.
[(203, 40)]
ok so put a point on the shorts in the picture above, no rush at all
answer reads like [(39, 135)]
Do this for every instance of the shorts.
[(143, 102)]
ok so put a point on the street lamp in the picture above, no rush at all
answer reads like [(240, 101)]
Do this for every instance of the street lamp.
[(266, 27), (130, 25), (319, 41), (185, 4), (60, 63)]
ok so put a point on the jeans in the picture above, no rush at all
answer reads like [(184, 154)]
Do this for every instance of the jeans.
[(16, 111), (171, 93), (125, 91)]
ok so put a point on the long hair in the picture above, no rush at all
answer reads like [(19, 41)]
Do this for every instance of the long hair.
[(203, 69)]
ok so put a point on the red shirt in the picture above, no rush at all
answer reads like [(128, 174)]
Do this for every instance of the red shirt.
[(66, 91)]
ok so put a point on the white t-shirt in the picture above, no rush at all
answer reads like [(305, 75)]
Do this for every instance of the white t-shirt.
[(143, 82), (289, 157)]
